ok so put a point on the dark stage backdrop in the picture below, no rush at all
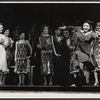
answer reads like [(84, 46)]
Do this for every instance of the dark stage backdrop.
[(25, 15)]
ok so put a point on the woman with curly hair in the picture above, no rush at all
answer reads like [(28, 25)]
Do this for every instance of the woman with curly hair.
[(84, 48), (3, 61), (47, 47), (23, 52)]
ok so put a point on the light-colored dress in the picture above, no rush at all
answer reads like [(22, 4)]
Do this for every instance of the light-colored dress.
[(3, 61)]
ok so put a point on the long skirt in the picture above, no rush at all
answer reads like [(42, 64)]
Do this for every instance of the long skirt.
[(47, 64)]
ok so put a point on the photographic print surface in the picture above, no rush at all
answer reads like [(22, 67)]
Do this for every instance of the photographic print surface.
[(50, 46)]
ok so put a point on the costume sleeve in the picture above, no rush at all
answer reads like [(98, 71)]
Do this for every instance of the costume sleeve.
[(1, 39), (80, 36), (94, 35)]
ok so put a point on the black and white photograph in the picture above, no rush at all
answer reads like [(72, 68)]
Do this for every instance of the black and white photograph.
[(50, 47)]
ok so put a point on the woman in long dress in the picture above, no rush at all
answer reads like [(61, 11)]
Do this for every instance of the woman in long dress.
[(3, 61), (23, 52), (61, 63), (47, 47)]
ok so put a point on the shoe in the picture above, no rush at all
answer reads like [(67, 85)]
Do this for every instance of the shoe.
[(45, 84), (73, 85), (88, 84), (50, 83), (96, 84)]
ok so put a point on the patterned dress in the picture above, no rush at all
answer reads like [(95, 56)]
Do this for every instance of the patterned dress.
[(46, 55), (97, 49), (22, 63)]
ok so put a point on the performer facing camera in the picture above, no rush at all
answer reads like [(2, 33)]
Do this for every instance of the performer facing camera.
[(3, 60), (23, 52), (47, 47), (84, 48)]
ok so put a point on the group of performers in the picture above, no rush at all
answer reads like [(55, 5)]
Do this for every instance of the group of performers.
[(67, 56)]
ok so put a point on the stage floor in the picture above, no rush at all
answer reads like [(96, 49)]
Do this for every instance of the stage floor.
[(52, 88)]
